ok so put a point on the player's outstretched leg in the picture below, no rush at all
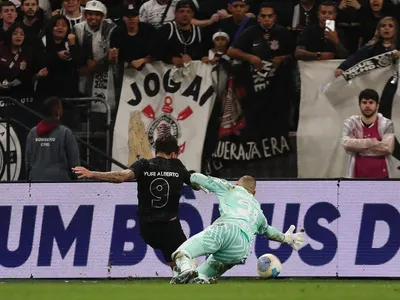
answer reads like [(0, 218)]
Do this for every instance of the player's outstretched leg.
[(185, 264), (184, 255), (210, 270)]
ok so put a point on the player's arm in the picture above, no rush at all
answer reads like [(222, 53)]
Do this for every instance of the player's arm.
[(213, 184), (274, 234), (186, 180), (115, 176), (352, 144), (295, 240)]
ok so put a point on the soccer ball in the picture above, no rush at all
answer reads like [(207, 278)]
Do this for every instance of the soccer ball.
[(269, 266)]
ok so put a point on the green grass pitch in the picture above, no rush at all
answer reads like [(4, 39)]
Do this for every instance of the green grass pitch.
[(229, 289)]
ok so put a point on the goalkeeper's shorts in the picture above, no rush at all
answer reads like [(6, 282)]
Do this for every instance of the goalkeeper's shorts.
[(226, 242)]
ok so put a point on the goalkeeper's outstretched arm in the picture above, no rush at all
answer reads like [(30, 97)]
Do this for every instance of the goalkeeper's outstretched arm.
[(274, 234), (213, 184), (295, 240)]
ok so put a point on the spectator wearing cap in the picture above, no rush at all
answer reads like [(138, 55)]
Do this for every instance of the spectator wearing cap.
[(221, 42), (217, 56), (93, 36), (97, 79), (132, 43), (180, 41), (239, 21)]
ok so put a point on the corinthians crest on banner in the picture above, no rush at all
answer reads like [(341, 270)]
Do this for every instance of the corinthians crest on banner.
[(152, 105)]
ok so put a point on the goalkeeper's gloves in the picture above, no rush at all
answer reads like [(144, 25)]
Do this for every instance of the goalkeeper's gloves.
[(295, 240)]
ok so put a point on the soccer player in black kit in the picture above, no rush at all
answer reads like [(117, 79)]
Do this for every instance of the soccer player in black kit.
[(160, 182)]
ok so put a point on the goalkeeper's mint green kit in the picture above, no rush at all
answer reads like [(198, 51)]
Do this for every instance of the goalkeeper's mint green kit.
[(228, 240)]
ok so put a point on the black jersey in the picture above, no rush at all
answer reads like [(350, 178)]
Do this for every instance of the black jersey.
[(160, 182)]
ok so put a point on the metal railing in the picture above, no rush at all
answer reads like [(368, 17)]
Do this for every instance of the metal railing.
[(88, 101), (8, 120)]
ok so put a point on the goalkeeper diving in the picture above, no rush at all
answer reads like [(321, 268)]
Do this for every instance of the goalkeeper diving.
[(228, 240)]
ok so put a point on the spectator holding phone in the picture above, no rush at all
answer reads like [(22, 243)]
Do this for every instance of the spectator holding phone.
[(322, 41)]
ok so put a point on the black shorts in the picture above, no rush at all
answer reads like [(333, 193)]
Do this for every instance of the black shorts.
[(166, 236)]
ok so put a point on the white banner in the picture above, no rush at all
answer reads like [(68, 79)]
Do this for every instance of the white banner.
[(152, 104), (326, 103), (90, 230)]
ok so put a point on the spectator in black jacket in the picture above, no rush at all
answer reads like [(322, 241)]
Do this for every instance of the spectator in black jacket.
[(239, 21), (62, 59), (131, 44), (114, 8), (348, 19), (51, 149), (317, 42), (18, 64), (32, 16), (371, 14)]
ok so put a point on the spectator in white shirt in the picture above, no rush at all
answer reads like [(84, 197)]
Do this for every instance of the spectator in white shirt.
[(158, 12)]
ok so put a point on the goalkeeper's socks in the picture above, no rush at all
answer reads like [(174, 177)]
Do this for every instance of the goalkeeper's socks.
[(194, 264), (184, 263)]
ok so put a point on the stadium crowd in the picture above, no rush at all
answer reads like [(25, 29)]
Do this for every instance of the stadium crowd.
[(78, 48)]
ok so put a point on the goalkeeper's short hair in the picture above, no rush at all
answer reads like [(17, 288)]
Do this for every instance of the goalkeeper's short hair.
[(248, 182)]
